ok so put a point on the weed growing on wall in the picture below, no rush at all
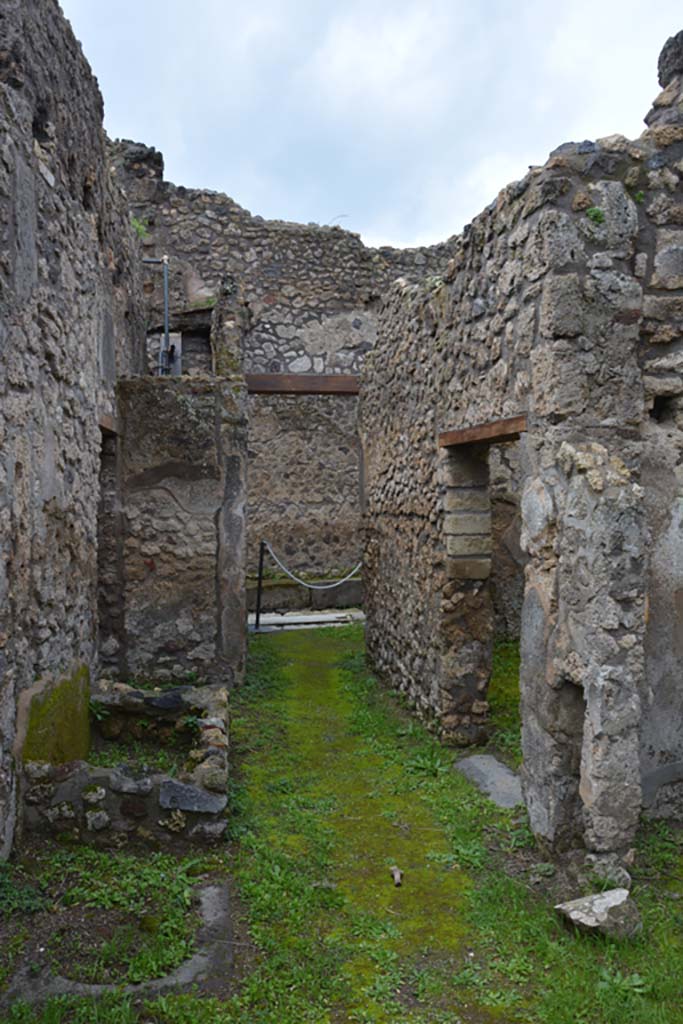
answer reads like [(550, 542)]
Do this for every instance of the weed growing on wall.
[(595, 214), (140, 227)]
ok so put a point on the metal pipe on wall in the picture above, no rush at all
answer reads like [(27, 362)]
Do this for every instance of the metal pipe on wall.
[(163, 367)]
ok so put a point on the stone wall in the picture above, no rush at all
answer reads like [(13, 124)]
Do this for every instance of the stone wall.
[(507, 558), (304, 480), (70, 321), (311, 290), (311, 296), (108, 806), (561, 302), (183, 492)]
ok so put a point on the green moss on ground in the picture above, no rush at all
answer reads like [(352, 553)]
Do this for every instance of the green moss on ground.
[(337, 783), (59, 721), (503, 697), (349, 814)]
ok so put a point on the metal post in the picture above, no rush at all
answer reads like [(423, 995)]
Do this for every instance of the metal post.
[(261, 556), (164, 348), (167, 345)]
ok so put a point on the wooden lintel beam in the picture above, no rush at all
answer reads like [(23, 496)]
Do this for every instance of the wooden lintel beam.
[(302, 383), (108, 423), (494, 432)]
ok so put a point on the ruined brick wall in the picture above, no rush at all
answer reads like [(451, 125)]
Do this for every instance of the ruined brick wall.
[(562, 303), (69, 323), (312, 294)]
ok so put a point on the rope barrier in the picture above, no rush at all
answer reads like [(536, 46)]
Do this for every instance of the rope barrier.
[(311, 586)]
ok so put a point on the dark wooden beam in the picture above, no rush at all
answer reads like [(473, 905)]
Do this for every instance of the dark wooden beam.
[(494, 432), (108, 424), (302, 383)]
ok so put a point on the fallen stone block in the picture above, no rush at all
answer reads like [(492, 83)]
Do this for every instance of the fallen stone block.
[(611, 913)]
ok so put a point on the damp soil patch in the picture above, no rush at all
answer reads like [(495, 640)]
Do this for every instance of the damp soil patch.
[(97, 917), (144, 743)]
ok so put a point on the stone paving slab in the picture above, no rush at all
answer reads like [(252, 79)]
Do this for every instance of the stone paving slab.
[(271, 622), (493, 778)]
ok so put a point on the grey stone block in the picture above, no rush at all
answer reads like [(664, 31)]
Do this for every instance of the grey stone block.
[(467, 499), (459, 523), (612, 913), (179, 796), (346, 595), (493, 778), (124, 782), (468, 568), (475, 544)]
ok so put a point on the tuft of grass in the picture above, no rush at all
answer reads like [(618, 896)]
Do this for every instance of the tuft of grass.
[(9, 955), (17, 894), (153, 894), (503, 698), (147, 756), (595, 214), (140, 226), (106, 1009)]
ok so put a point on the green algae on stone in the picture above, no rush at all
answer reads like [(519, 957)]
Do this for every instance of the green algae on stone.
[(59, 721)]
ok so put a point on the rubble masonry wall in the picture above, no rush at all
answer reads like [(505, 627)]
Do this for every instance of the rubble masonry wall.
[(311, 295), (70, 321), (562, 302)]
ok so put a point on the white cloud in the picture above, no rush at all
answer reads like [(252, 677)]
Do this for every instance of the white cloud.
[(446, 204), (387, 63), (407, 116)]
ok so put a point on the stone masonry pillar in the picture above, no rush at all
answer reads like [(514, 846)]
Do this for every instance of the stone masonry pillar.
[(466, 605), (582, 633), (584, 531)]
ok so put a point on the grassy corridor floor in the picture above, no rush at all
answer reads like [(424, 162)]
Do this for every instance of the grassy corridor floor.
[(328, 798), (335, 784)]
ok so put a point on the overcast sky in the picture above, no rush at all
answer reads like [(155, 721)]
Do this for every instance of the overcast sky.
[(399, 119)]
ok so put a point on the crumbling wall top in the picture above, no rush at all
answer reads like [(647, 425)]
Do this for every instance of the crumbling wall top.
[(670, 63)]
